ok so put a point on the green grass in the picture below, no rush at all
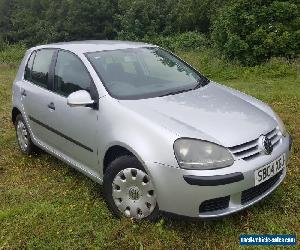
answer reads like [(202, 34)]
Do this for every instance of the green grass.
[(11, 54), (46, 204)]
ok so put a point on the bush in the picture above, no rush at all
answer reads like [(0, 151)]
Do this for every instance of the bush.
[(184, 41), (254, 31), (213, 66), (190, 41)]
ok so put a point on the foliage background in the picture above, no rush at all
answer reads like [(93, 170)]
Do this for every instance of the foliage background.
[(250, 32)]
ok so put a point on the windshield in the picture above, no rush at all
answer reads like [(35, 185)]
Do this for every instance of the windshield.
[(143, 73)]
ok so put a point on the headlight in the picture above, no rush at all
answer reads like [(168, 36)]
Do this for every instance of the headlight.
[(197, 154), (280, 125)]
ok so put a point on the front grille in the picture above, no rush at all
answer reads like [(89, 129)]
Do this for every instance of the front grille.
[(250, 150), (252, 193), (214, 204)]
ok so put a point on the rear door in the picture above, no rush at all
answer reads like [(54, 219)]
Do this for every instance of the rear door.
[(35, 94)]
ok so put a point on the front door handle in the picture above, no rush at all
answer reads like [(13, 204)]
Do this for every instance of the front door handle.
[(23, 92), (51, 106)]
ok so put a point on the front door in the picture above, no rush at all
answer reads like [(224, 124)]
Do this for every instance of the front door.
[(76, 126)]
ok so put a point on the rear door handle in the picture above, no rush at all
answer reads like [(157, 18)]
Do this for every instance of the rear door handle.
[(51, 106), (23, 92)]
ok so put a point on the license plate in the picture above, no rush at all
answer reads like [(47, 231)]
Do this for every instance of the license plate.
[(266, 172)]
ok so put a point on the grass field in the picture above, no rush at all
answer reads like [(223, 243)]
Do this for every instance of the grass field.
[(45, 204)]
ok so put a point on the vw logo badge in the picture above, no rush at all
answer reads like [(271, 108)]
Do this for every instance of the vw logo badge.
[(134, 193), (265, 144)]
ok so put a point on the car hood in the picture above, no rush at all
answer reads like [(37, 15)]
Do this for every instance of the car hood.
[(208, 113)]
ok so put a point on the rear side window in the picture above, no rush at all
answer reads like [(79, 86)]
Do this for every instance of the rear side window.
[(28, 68), (41, 66), (70, 74)]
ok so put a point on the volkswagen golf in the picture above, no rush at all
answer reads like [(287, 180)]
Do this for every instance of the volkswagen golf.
[(156, 133)]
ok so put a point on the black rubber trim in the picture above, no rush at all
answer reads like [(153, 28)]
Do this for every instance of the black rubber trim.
[(52, 71), (215, 180), (60, 134)]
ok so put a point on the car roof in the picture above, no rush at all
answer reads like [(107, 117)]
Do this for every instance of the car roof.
[(93, 45)]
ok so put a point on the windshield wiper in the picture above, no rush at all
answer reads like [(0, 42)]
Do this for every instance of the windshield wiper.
[(200, 83), (176, 92)]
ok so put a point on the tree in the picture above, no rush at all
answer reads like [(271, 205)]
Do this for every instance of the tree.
[(44, 21), (195, 15), (254, 31), (28, 22), (90, 19), (140, 18), (6, 7)]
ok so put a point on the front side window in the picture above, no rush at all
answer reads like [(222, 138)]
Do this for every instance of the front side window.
[(143, 72), (70, 74), (28, 68), (41, 67)]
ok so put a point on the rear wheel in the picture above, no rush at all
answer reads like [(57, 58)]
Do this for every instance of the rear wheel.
[(129, 191), (23, 136)]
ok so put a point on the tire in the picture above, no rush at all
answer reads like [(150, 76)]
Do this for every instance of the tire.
[(129, 191), (23, 136)]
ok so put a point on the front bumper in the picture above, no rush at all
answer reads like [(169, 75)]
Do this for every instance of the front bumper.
[(176, 195)]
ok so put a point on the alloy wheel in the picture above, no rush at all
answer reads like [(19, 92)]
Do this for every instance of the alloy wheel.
[(22, 135)]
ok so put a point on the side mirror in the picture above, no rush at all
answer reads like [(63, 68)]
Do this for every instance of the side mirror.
[(80, 98)]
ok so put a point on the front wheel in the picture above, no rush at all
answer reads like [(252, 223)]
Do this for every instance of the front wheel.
[(129, 191)]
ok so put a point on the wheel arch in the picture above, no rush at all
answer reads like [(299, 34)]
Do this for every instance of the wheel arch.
[(15, 111), (117, 150)]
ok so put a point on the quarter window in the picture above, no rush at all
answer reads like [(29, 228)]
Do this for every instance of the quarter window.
[(70, 74), (41, 66), (28, 68)]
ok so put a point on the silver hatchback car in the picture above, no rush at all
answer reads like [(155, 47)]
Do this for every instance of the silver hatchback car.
[(155, 132)]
